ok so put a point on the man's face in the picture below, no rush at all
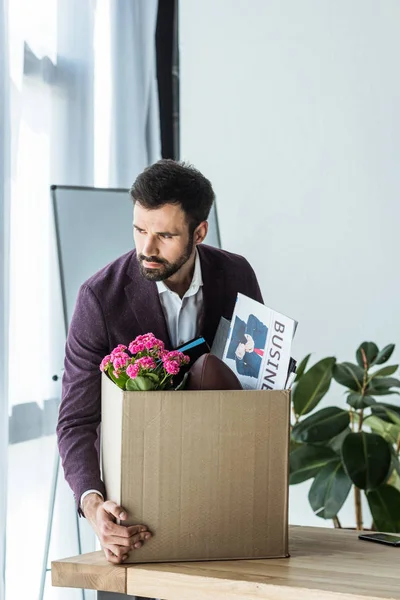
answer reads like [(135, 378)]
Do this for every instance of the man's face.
[(240, 351), (163, 241)]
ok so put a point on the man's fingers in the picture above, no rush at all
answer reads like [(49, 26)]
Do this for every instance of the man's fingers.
[(133, 529), (128, 542), (110, 556), (119, 552), (114, 509), (108, 528)]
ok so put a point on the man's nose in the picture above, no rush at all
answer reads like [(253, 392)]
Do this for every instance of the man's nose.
[(150, 246)]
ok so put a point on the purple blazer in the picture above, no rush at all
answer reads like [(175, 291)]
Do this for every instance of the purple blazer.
[(113, 307)]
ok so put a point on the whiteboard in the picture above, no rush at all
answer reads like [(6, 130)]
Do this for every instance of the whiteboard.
[(93, 227)]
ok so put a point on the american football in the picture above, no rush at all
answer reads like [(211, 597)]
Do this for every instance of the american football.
[(211, 373)]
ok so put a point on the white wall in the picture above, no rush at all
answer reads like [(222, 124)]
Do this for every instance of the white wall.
[(292, 109)]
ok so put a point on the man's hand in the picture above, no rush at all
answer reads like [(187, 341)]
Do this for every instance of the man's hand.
[(116, 540)]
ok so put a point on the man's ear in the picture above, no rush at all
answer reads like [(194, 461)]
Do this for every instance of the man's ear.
[(200, 232)]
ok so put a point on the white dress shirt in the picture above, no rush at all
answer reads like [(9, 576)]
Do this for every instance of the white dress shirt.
[(181, 314)]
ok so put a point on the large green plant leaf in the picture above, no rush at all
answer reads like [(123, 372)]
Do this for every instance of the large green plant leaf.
[(371, 352), (302, 367), (322, 425), (349, 375), (329, 490), (389, 370), (367, 459), (381, 386), (307, 460), (372, 391), (336, 442), (395, 462), (380, 409), (383, 355), (358, 401), (386, 382), (312, 386), (389, 431), (394, 480), (384, 503)]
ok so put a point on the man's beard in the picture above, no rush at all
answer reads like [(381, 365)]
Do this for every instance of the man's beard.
[(167, 269)]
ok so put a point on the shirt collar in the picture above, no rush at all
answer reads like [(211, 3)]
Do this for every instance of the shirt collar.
[(197, 280)]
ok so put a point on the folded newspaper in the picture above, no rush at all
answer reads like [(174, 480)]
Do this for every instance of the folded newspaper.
[(258, 345)]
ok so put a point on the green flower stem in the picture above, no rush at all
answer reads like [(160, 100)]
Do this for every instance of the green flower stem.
[(166, 376)]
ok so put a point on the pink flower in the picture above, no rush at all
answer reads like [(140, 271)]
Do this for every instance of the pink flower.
[(132, 371), (147, 362), (105, 362), (175, 355), (154, 344), (121, 360), (135, 347), (117, 351), (116, 375), (172, 367)]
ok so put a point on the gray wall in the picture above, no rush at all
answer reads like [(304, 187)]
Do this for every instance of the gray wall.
[(292, 109)]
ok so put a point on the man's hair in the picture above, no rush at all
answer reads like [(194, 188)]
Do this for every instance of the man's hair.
[(171, 182)]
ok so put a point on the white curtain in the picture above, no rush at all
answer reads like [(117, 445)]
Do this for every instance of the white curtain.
[(126, 96), (83, 111), (4, 267), (135, 136)]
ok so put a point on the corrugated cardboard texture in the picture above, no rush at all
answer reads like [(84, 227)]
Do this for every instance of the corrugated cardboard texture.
[(206, 471)]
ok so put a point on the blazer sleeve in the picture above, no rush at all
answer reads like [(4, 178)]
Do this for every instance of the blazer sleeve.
[(78, 426), (253, 289)]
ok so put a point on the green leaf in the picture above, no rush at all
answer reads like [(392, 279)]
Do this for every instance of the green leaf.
[(141, 383), (371, 352), (119, 381), (329, 490), (349, 375), (312, 386), (322, 425), (394, 479), (380, 409), (395, 462), (383, 355), (307, 460), (387, 430), (384, 505), (337, 442), (372, 391), (302, 367), (153, 376), (386, 382), (367, 458), (359, 401), (384, 371)]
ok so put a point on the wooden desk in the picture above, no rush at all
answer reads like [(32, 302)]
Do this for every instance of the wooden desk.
[(324, 564)]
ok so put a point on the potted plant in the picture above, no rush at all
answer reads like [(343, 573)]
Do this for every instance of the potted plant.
[(357, 446)]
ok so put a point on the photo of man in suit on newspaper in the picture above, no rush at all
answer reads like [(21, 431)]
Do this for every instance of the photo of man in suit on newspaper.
[(247, 345)]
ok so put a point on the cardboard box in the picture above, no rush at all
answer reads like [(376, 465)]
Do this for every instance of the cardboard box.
[(206, 471)]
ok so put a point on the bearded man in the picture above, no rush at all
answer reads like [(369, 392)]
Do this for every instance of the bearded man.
[(172, 285)]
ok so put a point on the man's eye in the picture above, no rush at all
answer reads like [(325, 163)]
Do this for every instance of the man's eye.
[(165, 236)]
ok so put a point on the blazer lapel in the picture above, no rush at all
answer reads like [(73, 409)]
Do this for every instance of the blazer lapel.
[(144, 302), (213, 296)]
